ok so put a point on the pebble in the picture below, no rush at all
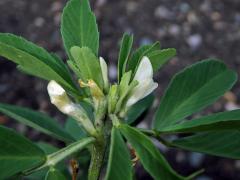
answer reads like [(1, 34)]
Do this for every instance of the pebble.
[(112, 72), (174, 30), (39, 22), (56, 6), (194, 41), (184, 7), (180, 157), (159, 145), (192, 18), (131, 6), (162, 12), (195, 159), (237, 164), (206, 6), (145, 41)]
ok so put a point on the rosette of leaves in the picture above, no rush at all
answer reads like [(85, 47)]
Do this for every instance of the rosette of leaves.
[(101, 128)]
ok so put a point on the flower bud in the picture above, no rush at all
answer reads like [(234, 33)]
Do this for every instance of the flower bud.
[(104, 70), (146, 85)]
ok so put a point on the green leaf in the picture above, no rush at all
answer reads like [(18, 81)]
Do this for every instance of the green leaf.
[(54, 174), (159, 57), (138, 108), (193, 89), (73, 128), (17, 153), (222, 143), (87, 64), (125, 50), (119, 162), (36, 120), (215, 122), (79, 27), (152, 160), (35, 60), (47, 148), (139, 53)]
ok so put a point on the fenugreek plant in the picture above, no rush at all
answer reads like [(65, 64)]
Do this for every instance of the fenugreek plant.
[(100, 139)]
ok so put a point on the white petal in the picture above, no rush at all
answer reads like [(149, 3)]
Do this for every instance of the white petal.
[(104, 69), (59, 98), (141, 91), (55, 89), (144, 71)]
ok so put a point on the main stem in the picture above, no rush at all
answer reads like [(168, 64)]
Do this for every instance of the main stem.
[(97, 157)]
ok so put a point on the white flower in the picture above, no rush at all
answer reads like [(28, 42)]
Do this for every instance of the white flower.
[(104, 70), (60, 99), (146, 85)]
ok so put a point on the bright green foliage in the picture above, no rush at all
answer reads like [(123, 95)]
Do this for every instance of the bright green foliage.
[(87, 64), (223, 143), (119, 162), (54, 174), (125, 49), (73, 128), (193, 89), (215, 122), (137, 109), (79, 27), (139, 53), (159, 57), (35, 60), (97, 134), (36, 120), (150, 157), (17, 153)]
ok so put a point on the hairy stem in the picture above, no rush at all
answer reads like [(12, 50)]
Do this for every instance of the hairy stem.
[(97, 157)]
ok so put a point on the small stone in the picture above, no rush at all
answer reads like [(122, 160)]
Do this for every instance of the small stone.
[(112, 72), (206, 6), (131, 6), (143, 125), (159, 145), (192, 18), (194, 41), (162, 12), (39, 21), (180, 157), (100, 3), (237, 164), (237, 18), (195, 159), (219, 25), (174, 30), (145, 41), (184, 7), (161, 32), (215, 16), (56, 6), (57, 18)]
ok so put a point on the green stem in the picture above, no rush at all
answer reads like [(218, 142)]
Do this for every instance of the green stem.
[(97, 157), (56, 157), (156, 135)]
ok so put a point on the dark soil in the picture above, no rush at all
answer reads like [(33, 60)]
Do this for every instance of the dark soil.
[(197, 29)]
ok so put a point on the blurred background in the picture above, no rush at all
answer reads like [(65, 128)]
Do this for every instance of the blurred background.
[(197, 29)]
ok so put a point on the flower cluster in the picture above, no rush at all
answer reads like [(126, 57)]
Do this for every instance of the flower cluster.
[(114, 99)]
